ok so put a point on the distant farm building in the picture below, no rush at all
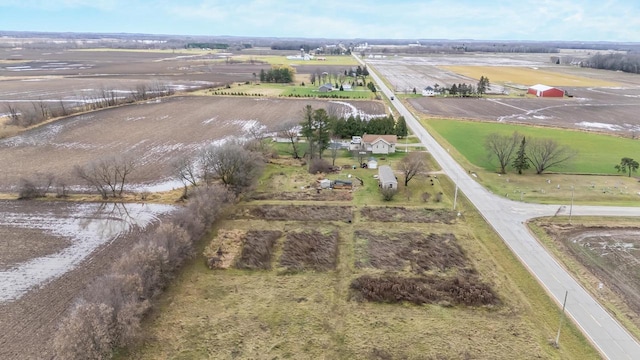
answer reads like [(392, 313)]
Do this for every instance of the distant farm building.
[(326, 88), (540, 90), (428, 91), (386, 178)]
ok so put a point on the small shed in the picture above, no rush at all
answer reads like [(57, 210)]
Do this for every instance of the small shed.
[(386, 178), (326, 88), (540, 90), (372, 163)]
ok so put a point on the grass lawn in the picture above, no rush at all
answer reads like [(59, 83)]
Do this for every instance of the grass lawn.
[(225, 314), (602, 186), (526, 76)]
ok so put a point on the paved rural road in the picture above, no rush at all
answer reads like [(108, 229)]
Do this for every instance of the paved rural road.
[(508, 220)]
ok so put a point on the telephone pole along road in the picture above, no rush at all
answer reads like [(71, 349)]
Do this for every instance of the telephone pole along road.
[(508, 219)]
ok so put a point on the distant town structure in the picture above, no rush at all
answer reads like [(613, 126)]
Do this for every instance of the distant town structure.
[(326, 88), (540, 90)]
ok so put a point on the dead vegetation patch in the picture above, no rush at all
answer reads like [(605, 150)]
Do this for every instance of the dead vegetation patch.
[(295, 212), (311, 195), (416, 251), (463, 289), (257, 249), (310, 251), (402, 214), (224, 248)]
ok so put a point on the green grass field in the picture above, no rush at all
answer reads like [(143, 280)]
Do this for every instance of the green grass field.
[(598, 154)]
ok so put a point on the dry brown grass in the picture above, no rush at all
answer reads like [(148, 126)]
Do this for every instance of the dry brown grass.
[(224, 247), (408, 215), (295, 212)]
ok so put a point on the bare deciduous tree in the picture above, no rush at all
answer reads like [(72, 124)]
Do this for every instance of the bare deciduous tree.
[(235, 166), (290, 132), (547, 153), (36, 186), (108, 175), (502, 147), (411, 165), (185, 169)]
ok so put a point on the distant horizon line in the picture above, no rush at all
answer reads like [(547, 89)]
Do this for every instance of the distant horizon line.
[(36, 32)]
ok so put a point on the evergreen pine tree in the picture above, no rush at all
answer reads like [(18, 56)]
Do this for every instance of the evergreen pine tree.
[(521, 162)]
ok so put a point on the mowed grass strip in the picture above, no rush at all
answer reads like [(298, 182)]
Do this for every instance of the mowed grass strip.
[(527, 76)]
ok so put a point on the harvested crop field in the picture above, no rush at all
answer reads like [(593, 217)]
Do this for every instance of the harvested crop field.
[(612, 113), (65, 246), (153, 133), (611, 255), (295, 212)]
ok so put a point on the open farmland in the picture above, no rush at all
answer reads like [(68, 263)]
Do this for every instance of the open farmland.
[(297, 282), (602, 100), (153, 133), (604, 256), (49, 251)]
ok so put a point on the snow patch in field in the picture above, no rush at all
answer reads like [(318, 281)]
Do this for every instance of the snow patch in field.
[(247, 125), (597, 125), (88, 226), (209, 121), (353, 111)]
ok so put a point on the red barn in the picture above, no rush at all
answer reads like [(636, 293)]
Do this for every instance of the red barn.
[(545, 91)]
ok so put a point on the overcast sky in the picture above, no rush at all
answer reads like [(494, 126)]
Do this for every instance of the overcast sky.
[(588, 20)]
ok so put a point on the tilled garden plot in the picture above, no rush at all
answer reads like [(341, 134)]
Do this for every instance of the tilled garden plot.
[(306, 196), (295, 213), (464, 289), (402, 214), (310, 251), (416, 251), (444, 275), (257, 250)]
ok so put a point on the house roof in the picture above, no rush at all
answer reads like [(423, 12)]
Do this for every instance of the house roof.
[(389, 139), (428, 88), (385, 174), (540, 87)]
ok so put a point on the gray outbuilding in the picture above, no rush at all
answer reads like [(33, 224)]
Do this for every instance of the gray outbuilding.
[(386, 178)]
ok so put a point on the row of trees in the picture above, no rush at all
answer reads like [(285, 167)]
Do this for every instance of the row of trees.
[(107, 316), (278, 74), (522, 153), (617, 62), (319, 128), (28, 114)]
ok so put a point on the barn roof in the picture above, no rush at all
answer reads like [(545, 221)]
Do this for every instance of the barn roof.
[(540, 87), (385, 174)]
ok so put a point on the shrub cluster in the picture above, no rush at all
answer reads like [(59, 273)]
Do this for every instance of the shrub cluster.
[(108, 314), (463, 289)]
